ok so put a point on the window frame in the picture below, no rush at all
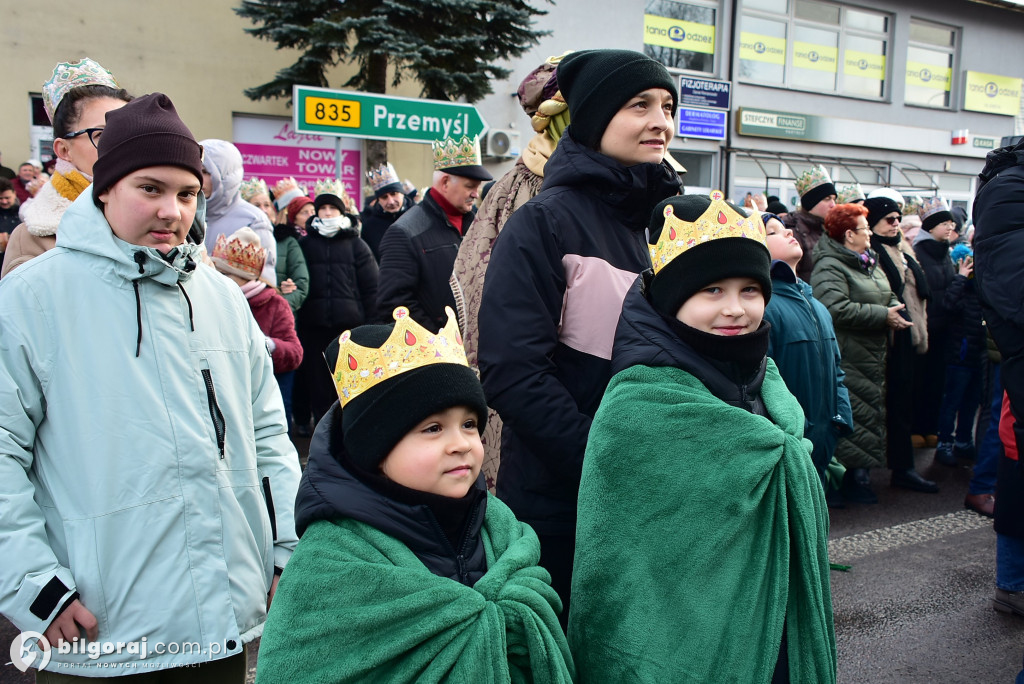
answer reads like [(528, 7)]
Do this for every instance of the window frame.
[(954, 66), (716, 55)]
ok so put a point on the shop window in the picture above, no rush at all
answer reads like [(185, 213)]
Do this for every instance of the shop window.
[(680, 35), (815, 46), (931, 55)]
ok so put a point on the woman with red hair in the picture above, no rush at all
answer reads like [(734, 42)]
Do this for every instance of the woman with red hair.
[(854, 289)]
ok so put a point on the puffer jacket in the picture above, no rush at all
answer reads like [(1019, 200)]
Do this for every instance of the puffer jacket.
[(291, 263), (144, 458), (945, 285), (555, 283), (226, 211), (342, 281), (858, 298)]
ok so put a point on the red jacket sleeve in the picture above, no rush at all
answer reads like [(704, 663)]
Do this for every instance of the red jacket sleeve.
[(288, 352)]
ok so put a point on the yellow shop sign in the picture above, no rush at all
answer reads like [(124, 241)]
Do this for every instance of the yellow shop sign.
[(679, 34), (864, 64), (758, 48), (992, 94), (816, 57), (929, 76)]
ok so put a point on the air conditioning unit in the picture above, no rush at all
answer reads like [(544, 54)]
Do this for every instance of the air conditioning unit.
[(501, 143)]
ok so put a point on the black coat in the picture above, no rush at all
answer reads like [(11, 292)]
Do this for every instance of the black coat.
[(417, 255), (558, 273), (945, 285), (9, 219), (376, 221), (342, 281), (329, 490)]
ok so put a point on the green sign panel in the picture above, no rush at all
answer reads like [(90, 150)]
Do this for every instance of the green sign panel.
[(353, 114), (771, 124)]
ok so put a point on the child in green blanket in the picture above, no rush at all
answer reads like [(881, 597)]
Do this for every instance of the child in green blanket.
[(701, 553), (407, 570)]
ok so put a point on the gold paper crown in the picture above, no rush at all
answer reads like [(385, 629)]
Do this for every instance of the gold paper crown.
[(451, 153), (850, 193), (252, 187), (68, 75), (409, 346), (932, 205), (810, 179), (718, 221), (330, 186), (248, 257), (382, 176)]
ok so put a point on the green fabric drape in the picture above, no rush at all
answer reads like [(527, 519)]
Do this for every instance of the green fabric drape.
[(355, 605), (702, 528)]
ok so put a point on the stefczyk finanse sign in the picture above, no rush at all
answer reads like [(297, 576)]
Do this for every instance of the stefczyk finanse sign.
[(353, 114)]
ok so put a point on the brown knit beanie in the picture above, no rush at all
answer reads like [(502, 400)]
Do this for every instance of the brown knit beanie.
[(145, 132)]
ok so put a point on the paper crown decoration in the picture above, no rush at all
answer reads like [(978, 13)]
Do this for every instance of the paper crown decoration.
[(252, 187), (68, 75), (382, 176), (248, 257), (931, 205), (812, 178), (912, 204), (451, 153), (850, 193), (330, 186), (719, 221), (409, 346)]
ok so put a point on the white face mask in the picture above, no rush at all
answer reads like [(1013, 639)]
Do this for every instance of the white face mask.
[(330, 227)]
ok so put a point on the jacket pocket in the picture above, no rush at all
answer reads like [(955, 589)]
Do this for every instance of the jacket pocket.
[(219, 426)]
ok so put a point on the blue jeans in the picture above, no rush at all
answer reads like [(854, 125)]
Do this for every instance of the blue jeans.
[(285, 381), (983, 480), (1009, 563), (961, 397)]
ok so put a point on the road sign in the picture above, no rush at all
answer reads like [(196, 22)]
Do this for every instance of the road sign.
[(382, 117), (702, 123)]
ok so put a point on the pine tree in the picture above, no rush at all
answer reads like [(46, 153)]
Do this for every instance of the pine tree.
[(450, 46)]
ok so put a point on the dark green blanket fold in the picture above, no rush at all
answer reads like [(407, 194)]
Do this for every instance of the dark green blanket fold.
[(355, 605), (702, 527)]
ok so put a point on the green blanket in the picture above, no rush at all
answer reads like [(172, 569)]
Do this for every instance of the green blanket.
[(702, 528), (355, 605)]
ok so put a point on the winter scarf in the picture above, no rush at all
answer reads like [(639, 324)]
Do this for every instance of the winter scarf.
[(702, 531), (356, 605), (253, 288)]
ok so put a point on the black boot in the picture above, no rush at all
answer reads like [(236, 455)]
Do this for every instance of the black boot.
[(912, 480), (857, 486)]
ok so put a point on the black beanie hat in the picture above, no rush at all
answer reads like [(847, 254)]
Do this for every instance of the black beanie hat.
[(777, 207), (376, 420), (596, 83), (145, 132), (327, 198), (878, 208), (816, 194), (705, 263)]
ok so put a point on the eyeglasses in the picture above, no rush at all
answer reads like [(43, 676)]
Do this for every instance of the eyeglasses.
[(93, 133), (892, 220)]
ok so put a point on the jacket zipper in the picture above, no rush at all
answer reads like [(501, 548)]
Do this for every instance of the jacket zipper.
[(268, 497), (215, 414)]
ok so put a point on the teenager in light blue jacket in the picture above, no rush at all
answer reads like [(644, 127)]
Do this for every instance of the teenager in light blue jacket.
[(146, 474)]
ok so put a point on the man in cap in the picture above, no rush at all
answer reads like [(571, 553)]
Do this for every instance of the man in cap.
[(418, 251), (391, 203), (817, 197)]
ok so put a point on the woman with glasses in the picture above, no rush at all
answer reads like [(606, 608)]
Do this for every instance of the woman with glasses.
[(910, 285), (76, 98), (847, 280)]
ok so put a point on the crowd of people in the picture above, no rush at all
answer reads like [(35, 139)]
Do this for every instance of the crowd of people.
[(475, 506)]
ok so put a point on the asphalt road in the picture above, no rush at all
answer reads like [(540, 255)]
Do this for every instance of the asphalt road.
[(913, 608)]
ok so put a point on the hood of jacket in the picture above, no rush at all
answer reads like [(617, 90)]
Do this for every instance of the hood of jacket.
[(329, 491), (84, 228), (644, 338), (223, 161), (630, 193)]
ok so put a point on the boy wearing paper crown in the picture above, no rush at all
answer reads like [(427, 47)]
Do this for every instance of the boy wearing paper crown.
[(817, 197), (726, 569), (141, 412), (408, 570)]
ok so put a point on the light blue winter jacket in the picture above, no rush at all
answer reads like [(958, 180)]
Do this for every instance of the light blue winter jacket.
[(144, 461)]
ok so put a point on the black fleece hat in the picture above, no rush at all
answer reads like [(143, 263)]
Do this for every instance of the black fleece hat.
[(376, 420), (596, 83), (145, 132), (816, 194), (705, 263), (327, 198), (880, 207)]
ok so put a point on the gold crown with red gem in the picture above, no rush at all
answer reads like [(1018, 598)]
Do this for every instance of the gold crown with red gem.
[(719, 220), (409, 346), (244, 255)]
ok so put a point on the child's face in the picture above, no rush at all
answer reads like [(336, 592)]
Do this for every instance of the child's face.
[(781, 243), (328, 211), (733, 306), (152, 207), (442, 455), (641, 131)]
